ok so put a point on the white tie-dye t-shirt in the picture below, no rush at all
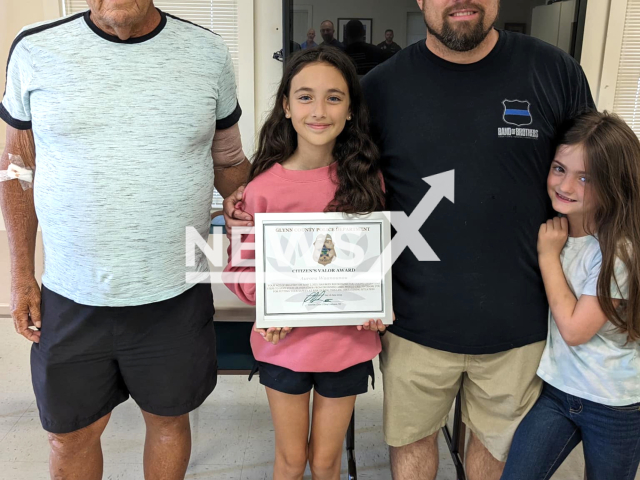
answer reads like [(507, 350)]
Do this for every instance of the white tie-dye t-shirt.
[(606, 369)]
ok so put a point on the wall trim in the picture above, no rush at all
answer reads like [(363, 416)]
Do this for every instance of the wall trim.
[(593, 44), (612, 52), (52, 9), (246, 75), (267, 40)]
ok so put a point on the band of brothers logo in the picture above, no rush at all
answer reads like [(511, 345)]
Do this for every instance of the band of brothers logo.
[(518, 114)]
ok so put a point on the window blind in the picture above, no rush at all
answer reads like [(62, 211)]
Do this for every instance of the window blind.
[(627, 95)]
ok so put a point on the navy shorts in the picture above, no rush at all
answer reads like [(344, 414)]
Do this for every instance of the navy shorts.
[(345, 383), (91, 359)]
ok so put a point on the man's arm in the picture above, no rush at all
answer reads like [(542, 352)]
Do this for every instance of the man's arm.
[(229, 161), (21, 222), (232, 168)]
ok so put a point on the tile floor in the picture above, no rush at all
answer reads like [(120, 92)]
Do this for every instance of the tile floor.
[(232, 433)]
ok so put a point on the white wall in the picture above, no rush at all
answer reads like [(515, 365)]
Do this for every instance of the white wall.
[(268, 40), (594, 44), (14, 14)]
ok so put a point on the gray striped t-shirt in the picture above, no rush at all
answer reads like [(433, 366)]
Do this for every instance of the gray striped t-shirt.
[(123, 133)]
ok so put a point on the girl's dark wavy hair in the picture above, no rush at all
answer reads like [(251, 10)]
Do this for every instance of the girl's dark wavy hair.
[(612, 161), (359, 189)]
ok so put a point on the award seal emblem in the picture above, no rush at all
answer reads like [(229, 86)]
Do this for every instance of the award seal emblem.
[(323, 250)]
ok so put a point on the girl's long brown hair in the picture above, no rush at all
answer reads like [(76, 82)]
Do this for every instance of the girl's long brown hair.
[(359, 189), (612, 161)]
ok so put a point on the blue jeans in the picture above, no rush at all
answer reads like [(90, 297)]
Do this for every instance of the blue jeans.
[(558, 422)]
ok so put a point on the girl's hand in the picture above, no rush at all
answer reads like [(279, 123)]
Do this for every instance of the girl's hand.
[(274, 334), (374, 325), (552, 237)]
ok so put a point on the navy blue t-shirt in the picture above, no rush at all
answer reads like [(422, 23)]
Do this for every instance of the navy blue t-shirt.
[(495, 123)]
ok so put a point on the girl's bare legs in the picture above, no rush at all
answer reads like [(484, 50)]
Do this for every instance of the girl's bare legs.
[(290, 415), (331, 417)]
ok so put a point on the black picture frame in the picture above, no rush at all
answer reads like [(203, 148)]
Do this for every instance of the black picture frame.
[(287, 30)]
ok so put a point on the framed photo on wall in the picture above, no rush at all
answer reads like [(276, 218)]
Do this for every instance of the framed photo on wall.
[(368, 28), (516, 27)]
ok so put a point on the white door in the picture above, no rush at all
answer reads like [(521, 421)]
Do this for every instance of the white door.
[(545, 22), (554, 23), (416, 29), (302, 22)]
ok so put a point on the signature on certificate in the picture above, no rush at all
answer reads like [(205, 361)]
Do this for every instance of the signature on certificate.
[(316, 297)]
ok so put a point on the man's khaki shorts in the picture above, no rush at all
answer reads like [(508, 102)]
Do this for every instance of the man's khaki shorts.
[(421, 383)]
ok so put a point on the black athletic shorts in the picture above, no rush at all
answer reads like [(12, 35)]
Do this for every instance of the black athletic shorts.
[(345, 383), (91, 359)]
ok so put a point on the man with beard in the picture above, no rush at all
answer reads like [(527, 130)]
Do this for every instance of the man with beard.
[(388, 44), (327, 30), (488, 105)]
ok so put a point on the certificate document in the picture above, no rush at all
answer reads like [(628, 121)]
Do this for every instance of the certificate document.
[(322, 269)]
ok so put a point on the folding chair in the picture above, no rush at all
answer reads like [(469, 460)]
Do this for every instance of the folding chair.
[(352, 471), (235, 358), (456, 442)]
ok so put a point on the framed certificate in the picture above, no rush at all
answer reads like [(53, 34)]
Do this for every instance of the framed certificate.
[(322, 269)]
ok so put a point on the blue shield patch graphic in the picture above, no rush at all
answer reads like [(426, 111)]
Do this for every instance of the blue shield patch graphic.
[(516, 112)]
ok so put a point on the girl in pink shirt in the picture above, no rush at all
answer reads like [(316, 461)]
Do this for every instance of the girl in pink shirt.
[(314, 155)]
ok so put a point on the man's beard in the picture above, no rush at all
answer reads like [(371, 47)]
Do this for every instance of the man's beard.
[(461, 41)]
